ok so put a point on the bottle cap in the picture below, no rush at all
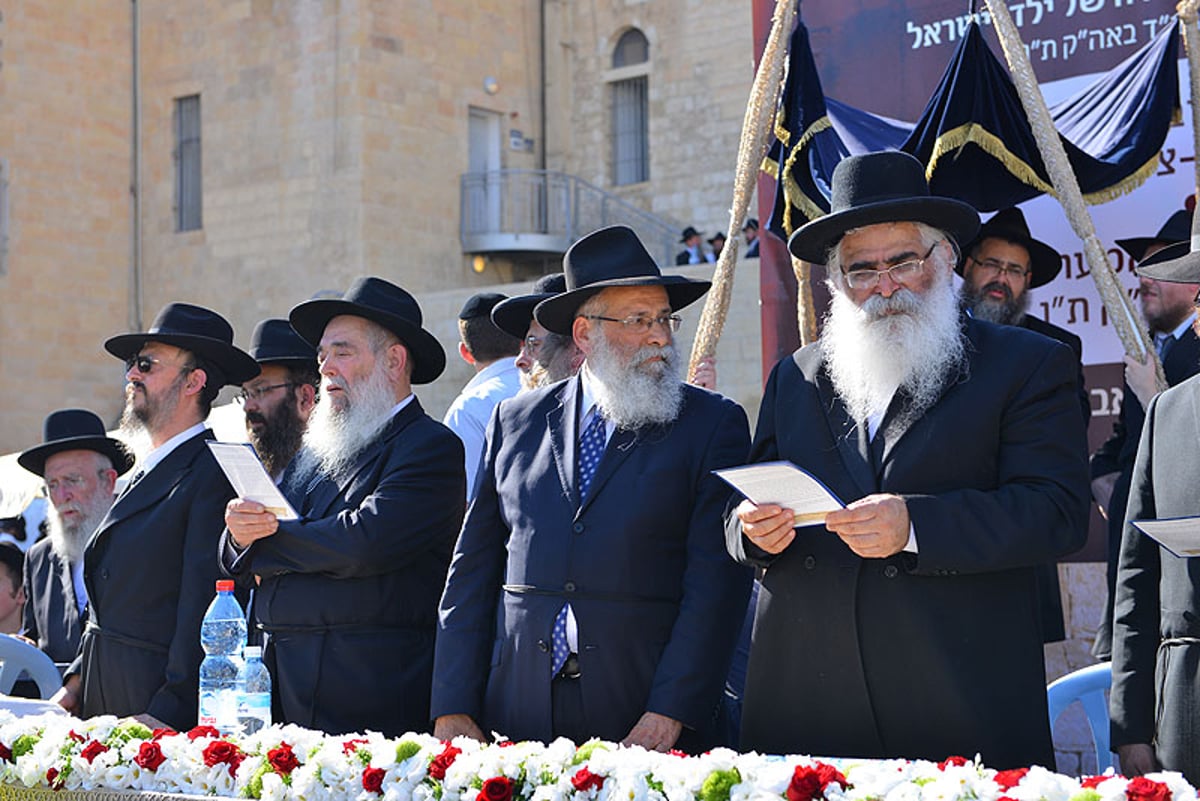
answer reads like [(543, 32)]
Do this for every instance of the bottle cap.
[(224, 585), (252, 652)]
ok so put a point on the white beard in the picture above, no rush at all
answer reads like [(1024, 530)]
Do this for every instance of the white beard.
[(633, 394), (335, 436), (69, 541), (871, 354)]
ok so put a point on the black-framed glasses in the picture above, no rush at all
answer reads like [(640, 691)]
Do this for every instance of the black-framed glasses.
[(642, 323), (258, 393), (996, 268), (901, 273)]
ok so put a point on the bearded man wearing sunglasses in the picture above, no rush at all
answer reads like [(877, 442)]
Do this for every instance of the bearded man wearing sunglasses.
[(151, 566)]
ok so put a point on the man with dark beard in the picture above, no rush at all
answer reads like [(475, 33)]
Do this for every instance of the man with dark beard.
[(589, 594), (151, 566), (999, 270), (79, 464), (279, 400), (1169, 312), (349, 591), (959, 448)]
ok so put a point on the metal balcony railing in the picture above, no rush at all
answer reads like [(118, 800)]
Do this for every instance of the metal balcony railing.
[(543, 212)]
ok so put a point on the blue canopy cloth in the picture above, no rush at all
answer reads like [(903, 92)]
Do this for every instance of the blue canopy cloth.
[(974, 136)]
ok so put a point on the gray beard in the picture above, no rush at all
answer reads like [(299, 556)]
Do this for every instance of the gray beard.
[(634, 395), (871, 355), (334, 437), (68, 542)]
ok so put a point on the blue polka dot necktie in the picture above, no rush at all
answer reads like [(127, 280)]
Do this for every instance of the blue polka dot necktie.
[(591, 448), (559, 638)]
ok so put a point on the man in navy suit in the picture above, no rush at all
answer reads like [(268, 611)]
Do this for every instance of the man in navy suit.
[(150, 569), (590, 595), (907, 625), (349, 591)]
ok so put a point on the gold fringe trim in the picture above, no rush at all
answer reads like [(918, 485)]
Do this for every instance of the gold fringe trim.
[(791, 190), (1125, 186), (781, 131), (976, 134), (770, 167)]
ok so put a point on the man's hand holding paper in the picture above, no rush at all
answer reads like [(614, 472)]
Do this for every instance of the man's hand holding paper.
[(874, 527), (249, 521)]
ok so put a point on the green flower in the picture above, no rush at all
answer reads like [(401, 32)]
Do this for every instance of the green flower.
[(407, 749), (129, 730), (718, 784), (1086, 794), (24, 744), (584, 752)]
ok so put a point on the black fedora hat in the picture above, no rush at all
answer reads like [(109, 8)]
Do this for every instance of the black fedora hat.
[(480, 305), (688, 233), (1175, 264), (514, 315), (1009, 224), (610, 257), (718, 235), (195, 329), (883, 187), (74, 430), (1177, 228), (383, 303), (275, 341)]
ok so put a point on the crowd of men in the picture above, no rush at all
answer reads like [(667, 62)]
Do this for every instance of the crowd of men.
[(559, 559)]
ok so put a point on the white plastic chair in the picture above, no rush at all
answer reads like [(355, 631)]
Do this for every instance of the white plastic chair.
[(1087, 686), (17, 656)]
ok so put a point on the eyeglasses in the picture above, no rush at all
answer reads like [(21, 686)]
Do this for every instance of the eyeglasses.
[(65, 483), (145, 364), (901, 273), (642, 323), (532, 344), (258, 393), (996, 268)]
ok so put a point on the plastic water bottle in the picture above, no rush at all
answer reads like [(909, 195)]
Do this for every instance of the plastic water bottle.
[(222, 636), (254, 692)]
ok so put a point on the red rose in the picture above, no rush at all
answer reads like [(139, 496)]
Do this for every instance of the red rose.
[(952, 761), (805, 786), (76, 736), (92, 750), (223, 751), (828, 775), (585, 780), (372, 780), (5, 753), (1143, 789), (158, 734), (497, 788), (203, 731), (149, 756), (675, 752), (351, 745), (52, 779), (282, 759), (505, 744), (437, 768), (1092, 782), (1010, 778)]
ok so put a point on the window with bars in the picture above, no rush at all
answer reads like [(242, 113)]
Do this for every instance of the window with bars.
[(630, 110), (187, 164)]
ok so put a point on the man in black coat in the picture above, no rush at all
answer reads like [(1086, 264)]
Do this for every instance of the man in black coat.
[(349, 591), (907, 626), (590, 594), (1156, 636), (1169, 313), (151, 567), (999, 269), (79, 464)]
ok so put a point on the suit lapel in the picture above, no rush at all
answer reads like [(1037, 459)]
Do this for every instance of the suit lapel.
[(562, 423), (851, 439), (154, 485)]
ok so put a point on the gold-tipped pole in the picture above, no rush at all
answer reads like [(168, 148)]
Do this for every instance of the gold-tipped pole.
[(1129, 326), (757, 128)]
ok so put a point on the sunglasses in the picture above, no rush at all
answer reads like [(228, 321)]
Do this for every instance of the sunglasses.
[(145, 364)]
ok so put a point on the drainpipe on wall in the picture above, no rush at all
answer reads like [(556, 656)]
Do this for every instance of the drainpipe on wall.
[(135, 188)]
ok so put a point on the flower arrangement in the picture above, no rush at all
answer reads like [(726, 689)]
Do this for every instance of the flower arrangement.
[(285, 763)]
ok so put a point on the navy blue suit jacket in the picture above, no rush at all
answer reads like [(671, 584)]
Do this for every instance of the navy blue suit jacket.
[(641, 561)]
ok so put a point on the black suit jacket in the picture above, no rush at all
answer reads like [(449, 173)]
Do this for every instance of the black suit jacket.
[(1076, 345), (349, 591), (1117, 455), (1156, 626), (52, 618), (641, 561), (150, 570), (938, 653)]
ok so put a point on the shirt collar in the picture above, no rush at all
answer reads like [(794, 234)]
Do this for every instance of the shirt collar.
[(163, 451)]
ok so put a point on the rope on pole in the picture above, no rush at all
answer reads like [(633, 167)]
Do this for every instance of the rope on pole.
[(1135, 338), (1187, 10), (757, 127)]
